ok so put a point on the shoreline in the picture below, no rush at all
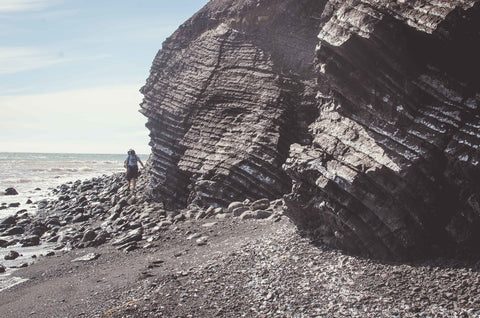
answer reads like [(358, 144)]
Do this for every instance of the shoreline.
[(117, 254)]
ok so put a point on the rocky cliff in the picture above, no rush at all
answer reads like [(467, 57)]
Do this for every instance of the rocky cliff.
[(363, 114)]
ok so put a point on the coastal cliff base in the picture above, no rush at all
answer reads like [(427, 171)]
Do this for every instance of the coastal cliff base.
[(247, 268)]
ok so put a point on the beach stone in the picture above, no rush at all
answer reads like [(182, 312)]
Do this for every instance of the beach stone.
[(218, 210), (234, 205), (42, 204), (87, 257), (238, 211), (88, 236), (11, 220), (52, 239), (64, 198), (165, 223), (202, 240), (37, 228), (260, 204), (209, 224), (86, 186), (11, 191), (14, 205), (52, 221), (81, 218), (193, 236), (209, 211), (200, 215), (29, 201), (101, 238), (32, 240), (132, 236), (247, 215), (11, 255), (14, 231), (130, 247), (2, 268), (3, 243), (180, 217), (262, 214)]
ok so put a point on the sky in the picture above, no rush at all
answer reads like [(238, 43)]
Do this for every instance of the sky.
[(71, 71)]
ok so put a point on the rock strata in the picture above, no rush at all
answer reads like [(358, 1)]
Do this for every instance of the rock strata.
[(364, 114)]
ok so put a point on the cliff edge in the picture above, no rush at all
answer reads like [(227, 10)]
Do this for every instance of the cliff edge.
[(363, 115)]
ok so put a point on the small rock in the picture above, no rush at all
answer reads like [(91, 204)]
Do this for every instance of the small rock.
[(87, 257), (202, 240), (235, 205), (88, 236), (2, 268), (32, 240), (201, 214), (247, 215), (132, 236), (11, 255), (14, 205), (262, 214), (100, 238), (29, 201), (4, 243), (165, 223), (193, 236), (11, 191), (179, 217), (238, 211), (11, 220), (81, 218), (261, 204), (14, 231), (209, 224)]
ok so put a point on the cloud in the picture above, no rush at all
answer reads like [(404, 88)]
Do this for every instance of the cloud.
[(20, 59), (24, 5), (102, 120)]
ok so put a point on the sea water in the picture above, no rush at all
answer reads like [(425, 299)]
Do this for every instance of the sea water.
[(34, 176)]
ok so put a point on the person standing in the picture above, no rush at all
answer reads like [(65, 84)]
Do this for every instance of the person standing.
[(131, 164)]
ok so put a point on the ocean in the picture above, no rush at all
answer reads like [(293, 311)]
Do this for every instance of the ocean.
[(34, 175)]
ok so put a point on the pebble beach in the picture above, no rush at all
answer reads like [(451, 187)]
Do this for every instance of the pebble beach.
[(106, 252)]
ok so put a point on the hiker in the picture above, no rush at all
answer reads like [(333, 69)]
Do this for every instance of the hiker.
[(132, 168)]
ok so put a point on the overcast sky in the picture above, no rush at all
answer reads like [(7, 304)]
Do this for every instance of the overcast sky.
[(71, 70)]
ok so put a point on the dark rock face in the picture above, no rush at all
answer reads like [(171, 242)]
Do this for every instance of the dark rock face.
[(224, 101), (364, 113), (393, 170)]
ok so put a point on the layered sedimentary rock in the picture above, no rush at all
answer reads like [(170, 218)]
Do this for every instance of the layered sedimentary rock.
[(364, 114), (225, 101)]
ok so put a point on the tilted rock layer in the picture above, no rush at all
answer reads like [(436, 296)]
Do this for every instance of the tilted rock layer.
[(363, 114)]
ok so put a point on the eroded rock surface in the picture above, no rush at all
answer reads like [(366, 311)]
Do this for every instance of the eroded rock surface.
[(363, 113)]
